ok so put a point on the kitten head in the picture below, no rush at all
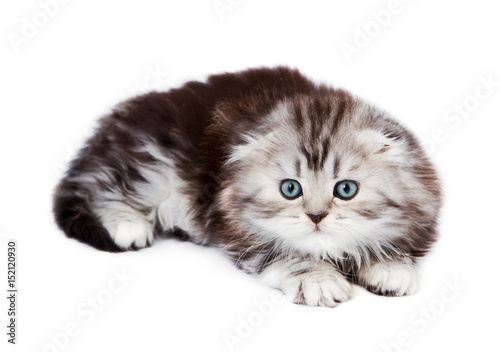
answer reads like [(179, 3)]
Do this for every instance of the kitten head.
[(330, 175)]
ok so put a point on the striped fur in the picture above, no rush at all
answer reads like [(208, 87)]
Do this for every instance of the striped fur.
[(205, 162)]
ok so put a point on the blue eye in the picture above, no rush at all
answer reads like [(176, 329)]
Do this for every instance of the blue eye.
[(346, 189), (290, 189)]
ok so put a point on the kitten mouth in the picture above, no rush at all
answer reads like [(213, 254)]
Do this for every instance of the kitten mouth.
[(317, 229)]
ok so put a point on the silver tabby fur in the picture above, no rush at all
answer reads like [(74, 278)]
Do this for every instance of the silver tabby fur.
[(205, 162)]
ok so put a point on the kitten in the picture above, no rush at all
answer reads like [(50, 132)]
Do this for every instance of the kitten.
[(302, 185)]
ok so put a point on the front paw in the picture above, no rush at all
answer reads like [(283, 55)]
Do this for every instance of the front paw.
[(320, 288), (308, 281), (390, 279), (133, 234)]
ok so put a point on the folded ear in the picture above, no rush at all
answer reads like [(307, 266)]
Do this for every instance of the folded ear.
[(379, 142)]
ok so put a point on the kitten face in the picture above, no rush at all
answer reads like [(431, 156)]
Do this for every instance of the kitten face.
[(319, 155)]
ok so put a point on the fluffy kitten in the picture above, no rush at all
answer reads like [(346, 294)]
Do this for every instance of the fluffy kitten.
[(303, 185)]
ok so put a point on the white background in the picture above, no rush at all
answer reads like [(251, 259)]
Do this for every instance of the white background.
[(428, 57)]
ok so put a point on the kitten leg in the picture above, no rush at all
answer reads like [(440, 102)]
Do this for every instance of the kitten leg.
[(128, 228), (308, 281), (391, 278)]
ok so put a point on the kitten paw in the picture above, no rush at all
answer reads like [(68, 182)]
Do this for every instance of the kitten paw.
[(390, 279), (325, 289), (133, 235)]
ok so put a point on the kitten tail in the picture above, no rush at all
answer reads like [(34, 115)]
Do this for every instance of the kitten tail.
[(73, 216)]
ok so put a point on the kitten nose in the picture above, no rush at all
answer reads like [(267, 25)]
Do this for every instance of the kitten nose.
[(316, 218)]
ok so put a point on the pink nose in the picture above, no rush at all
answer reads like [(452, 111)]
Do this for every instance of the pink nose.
[(316, 218)]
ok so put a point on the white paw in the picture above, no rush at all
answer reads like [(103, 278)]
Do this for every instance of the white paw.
[(320, 288), (391, 279), (308, 281), (133, 234)]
